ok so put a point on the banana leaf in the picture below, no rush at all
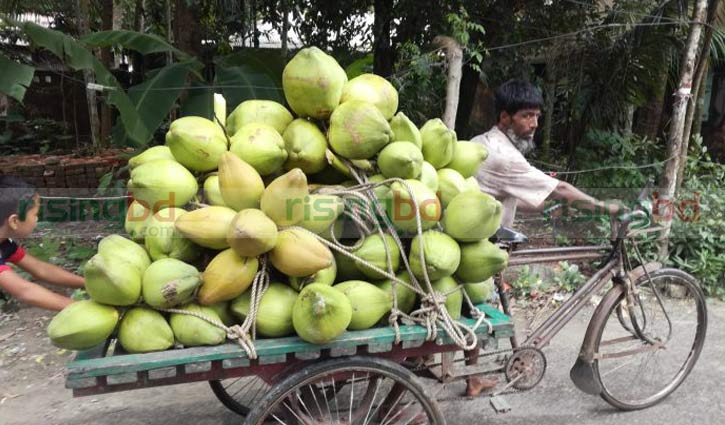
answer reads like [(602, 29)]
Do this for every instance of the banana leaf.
[(76, 56), (157, 95), (15, 78), (250, 74), (132, 40)]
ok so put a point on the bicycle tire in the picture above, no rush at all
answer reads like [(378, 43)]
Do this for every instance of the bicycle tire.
[(317, 372), (611, 308)]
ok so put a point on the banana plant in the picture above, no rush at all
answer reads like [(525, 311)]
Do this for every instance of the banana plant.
[(143, 108)]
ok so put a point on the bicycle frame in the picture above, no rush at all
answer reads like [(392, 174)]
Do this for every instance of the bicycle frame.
[(613, 269)]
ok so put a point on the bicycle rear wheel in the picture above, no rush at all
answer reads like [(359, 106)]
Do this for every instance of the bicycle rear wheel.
[(645, 350), (352, 390), (239, 394)]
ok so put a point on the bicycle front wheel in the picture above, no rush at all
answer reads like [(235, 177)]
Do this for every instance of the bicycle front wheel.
[(647, 344)]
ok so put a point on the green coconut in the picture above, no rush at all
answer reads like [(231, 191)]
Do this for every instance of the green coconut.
[(369, 303), (429, 176), (137, 218), (400, 159), (373, 251), (169, 282), (374, 89), (405, 131), (260, 146), (197, 143), (450, 184), (480, 260), (346, 268), (439, 143), (125, 250), (406, 296), (260, 112), (454, 298), (226, 277), (274, 314), (325, 277), (312, 83), (151, 154), (306, 146), (240, 185), (207, 227), (212, 193), (479, 292), (358, 130), (164, 241), (252, 233), (283, 200), (321, 313), (224, 312), (467, 158), (321, 211), (192, 331), (442, 255), (401, 208), (82, 325), (111, 280), (161, 184), (143, 330), (472, 215), (472, 184)]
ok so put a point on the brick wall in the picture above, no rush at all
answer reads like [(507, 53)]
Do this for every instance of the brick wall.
[(57, 173)]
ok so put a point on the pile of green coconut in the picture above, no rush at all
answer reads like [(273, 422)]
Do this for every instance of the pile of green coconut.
[(262, 218)]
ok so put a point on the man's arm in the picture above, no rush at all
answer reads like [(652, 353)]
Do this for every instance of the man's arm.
[(49, 273), (31, 293), (575, 198)]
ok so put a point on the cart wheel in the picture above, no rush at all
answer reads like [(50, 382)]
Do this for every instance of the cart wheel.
[(351, 390), (239, 394)]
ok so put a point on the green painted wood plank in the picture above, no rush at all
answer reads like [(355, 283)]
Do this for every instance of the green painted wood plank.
[(410, 335)]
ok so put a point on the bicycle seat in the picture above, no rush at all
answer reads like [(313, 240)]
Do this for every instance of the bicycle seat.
[(507, 235)]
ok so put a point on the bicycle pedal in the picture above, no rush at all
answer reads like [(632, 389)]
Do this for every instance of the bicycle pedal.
[(500, 405)]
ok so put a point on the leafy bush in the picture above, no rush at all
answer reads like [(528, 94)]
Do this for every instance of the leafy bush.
[(697, 244)]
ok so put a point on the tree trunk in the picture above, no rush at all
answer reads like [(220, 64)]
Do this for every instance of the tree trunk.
[(382, 47), (700, 73), (137, 59), (82, 8), (187, 31), (255, 30), (107, 60), (699, 109), (285, 26), (668, 184), (651, 113), (454, 53), (550, 97), (628, 121)]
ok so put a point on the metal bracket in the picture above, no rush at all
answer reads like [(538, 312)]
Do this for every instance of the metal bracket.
[(500, 405)]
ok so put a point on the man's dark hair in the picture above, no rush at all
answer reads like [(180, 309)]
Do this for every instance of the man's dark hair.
[(515, 95), (16, 197)]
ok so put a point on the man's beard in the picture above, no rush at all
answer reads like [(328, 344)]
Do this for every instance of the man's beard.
[(523, 144)]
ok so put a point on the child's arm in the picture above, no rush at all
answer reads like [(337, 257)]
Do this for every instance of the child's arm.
[(49, 273), (31, 293)]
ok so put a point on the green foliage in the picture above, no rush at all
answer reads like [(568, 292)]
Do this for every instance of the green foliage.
[(620, 155), (421, 83), (569, 278), (468, 32), (38, 135), (526, 282), (15, 78), (697, 243)]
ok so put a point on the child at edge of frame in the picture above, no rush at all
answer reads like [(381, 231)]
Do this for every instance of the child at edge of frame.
[(19, 207)]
